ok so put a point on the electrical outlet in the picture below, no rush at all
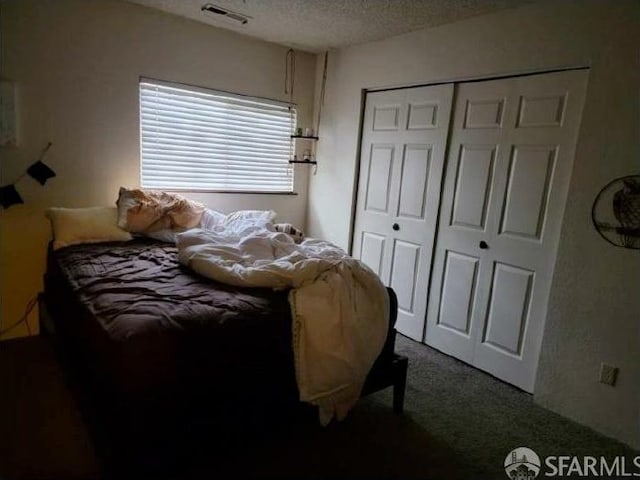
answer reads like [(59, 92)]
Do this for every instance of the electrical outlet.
[(608, 374)]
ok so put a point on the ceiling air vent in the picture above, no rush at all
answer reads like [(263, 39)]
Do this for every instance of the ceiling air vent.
[(225, 13)]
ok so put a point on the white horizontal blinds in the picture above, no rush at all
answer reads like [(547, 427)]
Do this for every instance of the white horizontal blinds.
[(197, 139)]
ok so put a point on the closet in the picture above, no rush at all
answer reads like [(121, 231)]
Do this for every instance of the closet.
[(461, 195)]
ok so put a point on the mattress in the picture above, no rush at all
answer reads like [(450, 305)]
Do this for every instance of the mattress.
[(139, 321)]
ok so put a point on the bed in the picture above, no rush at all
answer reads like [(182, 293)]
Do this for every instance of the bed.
[(157, 345)]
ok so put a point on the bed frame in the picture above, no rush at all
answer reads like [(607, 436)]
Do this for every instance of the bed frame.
[(389, 370)]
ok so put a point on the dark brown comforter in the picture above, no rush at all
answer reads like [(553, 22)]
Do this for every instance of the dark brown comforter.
[(142, 321)]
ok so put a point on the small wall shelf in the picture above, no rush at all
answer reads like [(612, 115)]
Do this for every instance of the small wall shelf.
[(309, 154), (305, 137), (306, 162)]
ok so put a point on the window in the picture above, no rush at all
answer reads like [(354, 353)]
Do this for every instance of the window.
[(199, 139)]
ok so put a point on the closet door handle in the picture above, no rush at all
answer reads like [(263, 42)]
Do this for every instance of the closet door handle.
[(396, 227), (483, 245)]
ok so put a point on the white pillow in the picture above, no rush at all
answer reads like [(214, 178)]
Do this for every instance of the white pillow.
[(250, 216), (211, 219), (72, 226), (243, 222)]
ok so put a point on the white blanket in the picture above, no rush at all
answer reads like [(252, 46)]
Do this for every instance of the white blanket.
[(339, 307)]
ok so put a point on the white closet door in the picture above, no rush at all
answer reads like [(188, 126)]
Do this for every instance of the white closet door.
[(401, 164), (508, 171)]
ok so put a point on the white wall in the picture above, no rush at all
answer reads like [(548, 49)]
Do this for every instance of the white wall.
[(76, 65), (594, 310)]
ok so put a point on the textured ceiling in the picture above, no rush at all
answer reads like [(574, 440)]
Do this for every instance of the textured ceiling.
[(317, 25)]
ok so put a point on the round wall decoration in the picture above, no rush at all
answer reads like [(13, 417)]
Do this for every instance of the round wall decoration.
[(616, 212)]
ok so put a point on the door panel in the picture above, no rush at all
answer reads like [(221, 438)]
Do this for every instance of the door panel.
[(379, 178), (541, 111), (422, 116), (484, 113), (458, 292), (401, 163), (385, 117), (473, 185), (511, 153), (530, 173), (372, 251), (413, 181), (404, 271), (508, 308)]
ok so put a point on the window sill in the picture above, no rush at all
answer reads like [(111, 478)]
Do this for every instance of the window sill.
[(241, 192)]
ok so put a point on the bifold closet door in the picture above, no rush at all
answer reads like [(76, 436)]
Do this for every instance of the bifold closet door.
[(509, 164), (401, 165)]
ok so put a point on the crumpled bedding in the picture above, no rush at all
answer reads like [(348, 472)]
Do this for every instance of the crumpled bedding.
[(157, 214), (339, 307)]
